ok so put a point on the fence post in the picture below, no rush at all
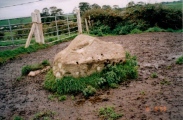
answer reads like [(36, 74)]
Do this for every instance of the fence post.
[(36, 32), (79, 21), (68, 25), (39, 26), (10, 31), (86, 25), (56, 27)]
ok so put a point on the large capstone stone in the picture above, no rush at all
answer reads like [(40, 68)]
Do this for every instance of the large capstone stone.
[(86, 55)]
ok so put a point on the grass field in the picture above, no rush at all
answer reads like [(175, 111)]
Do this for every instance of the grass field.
[(16, 21), (174, 5)]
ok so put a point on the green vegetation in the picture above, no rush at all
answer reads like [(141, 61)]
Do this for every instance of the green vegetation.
[(111, 74), (179, 60), (154, 75), (134, 20), (46, 115), (17, 118), (72, 97), (174, 5), (16, 21), (19, 78), (62, 98), (26, 69), (89, 91), (12, 54), (165, 82), (142, 93), (108, 113)]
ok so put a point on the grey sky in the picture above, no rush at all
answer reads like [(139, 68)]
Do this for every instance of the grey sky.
[(66, 5)]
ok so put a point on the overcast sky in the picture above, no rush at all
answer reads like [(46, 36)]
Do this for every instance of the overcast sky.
[(66, 5)]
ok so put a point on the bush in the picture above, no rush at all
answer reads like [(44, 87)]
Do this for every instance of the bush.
[(108, 113), (179, 60)]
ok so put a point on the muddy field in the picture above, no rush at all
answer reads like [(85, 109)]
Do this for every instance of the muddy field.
[(145, 98)]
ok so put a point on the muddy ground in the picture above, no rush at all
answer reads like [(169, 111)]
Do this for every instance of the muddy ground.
[(145, 98)]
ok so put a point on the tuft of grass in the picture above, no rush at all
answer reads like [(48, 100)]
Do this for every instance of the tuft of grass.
[(154, 75), (46, 115), (142, 93), (27, 68), (114, 85), (179, 60), (62, 98), (89, 91), (45, 63), (155, 29), (51, 97), (17, 118), (135, 31), (111, 76), (108, 113), (72, 97), (165, 82), (19, 78)]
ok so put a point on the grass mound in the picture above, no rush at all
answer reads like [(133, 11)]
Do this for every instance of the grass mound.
[(27, 68), (110, 76)]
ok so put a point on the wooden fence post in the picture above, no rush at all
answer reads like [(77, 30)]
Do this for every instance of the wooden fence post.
[(39, 27), (79, 21), (86, 25), (36, 29)]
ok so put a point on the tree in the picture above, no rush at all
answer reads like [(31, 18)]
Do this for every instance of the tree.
[(53, 10), (106, 7), (130, 4), (95, 6), (45, 12), (116, 7), (84, 6), (140, 3)]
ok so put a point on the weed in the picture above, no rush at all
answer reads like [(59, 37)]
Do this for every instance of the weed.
[(19, 78), (89, 91), (113, 85), (45, 63), (62, 98), (17, 118), (51, 97), (72, 97), (154, 75), (142, 93), (165, 82), (46, 115), (179, 60), (108, 113)]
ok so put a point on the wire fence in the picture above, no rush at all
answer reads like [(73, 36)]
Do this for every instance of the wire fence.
[(14, 32)]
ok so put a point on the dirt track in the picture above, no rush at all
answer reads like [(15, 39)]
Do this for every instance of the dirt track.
[(140, 99)]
